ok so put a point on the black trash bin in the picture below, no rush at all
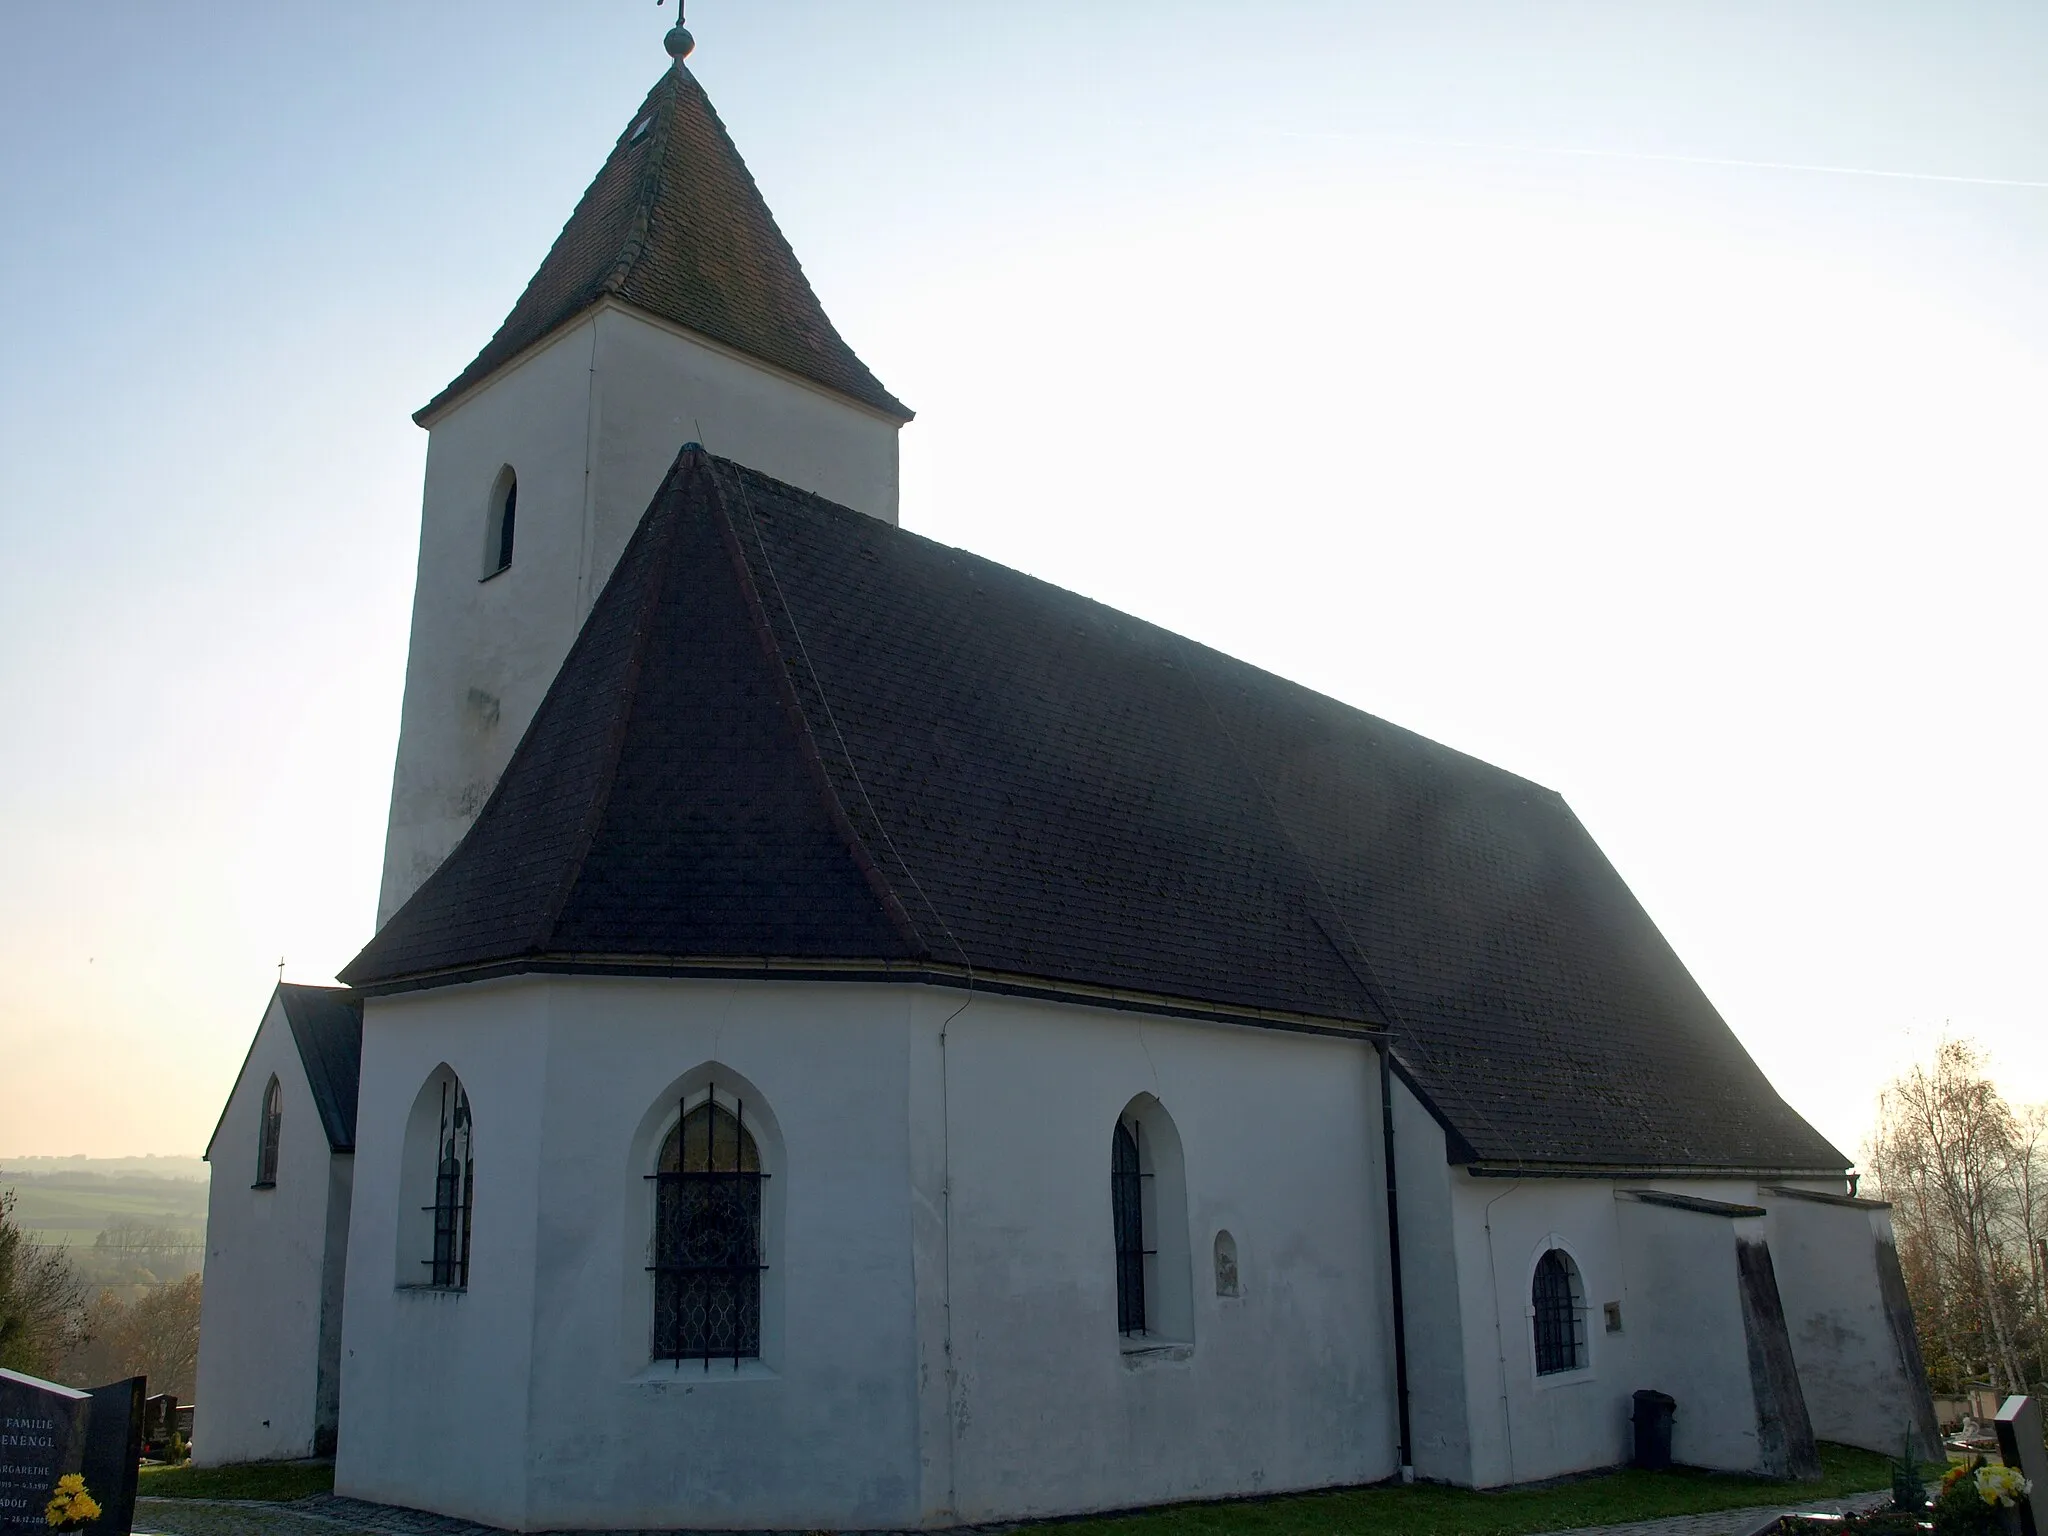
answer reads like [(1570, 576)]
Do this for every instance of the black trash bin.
[(1653, 1414)]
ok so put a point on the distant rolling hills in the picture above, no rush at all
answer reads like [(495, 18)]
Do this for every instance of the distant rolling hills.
[(71, 1200)]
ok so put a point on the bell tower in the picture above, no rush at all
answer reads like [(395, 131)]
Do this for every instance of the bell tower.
[(669, 309)]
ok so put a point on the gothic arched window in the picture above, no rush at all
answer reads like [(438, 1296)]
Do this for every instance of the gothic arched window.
[(707, 1238), (1559, 1314), (268, 1134), (501, 523), (437, 1186)]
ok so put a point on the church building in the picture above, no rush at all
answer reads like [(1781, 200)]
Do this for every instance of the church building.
[(858, 1037)]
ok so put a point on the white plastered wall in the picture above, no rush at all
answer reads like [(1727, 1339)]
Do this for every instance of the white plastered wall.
[(434, 1383), (1686, 1306), (1287, 1385), (1673, 1275), (528, 1402), (589, 421), (269, 1261), (1439, 1417), (1852, 1371)]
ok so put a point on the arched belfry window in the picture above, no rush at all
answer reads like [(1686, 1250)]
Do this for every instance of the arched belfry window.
[(437, 1187), (268, 1134), (1149, 1224), (707, 1251), (1557, 1306), (501, 524)]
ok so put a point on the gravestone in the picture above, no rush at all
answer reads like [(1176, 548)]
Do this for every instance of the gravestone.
[(113, 1455), (42, 1436), (2019, 1445)]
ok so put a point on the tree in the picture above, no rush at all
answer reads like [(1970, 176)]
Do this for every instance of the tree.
[(42, 1303), (157, 1336), (1968, 1181)]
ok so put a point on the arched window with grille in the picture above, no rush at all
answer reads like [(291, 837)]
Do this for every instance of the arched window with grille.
[(1558, 1312), (708, 1255), (1149, 1228), (437, 1187), (454, 1191), (268, 1135)]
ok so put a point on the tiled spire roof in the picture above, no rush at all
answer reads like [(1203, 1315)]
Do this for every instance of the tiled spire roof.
[(674, 225), (794, 740)]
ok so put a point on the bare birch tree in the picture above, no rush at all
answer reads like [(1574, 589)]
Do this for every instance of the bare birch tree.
[(1968, 1182)]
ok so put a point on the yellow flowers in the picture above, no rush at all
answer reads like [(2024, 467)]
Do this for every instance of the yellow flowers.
[(2001, 1485), (71, 1504)]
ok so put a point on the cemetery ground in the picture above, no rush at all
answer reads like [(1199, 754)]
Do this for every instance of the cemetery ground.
[(1624, 1497)]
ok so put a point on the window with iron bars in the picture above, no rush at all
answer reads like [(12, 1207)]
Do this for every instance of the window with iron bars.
[(454, 1192), (1127, 1178), (707, 1238), (1560, 1321)]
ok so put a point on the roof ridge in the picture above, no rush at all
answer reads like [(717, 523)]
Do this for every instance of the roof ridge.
[(814, 758), (654, 582), (662, 131)]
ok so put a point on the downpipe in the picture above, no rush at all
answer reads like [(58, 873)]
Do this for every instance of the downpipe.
[(1386, 1056)]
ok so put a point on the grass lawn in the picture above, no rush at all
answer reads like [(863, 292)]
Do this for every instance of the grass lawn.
[(281, 1480), (1609, 1498), (1427, 1510)]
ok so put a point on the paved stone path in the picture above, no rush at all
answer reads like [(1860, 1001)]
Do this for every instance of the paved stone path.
[(1734, 1522), (329, 1515)]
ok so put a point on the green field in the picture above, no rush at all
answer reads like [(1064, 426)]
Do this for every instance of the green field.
[(71, 1200)]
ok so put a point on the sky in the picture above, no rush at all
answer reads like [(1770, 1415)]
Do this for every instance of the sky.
[(1644, 396)]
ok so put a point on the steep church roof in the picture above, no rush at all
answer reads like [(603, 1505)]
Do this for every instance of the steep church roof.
[(327, 1029), (674, 225), (792, 739)]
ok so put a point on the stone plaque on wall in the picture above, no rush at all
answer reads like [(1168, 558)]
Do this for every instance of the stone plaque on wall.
[(42, 1437)]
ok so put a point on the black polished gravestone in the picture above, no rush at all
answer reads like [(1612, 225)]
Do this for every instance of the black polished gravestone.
[(113, 1455), (42, 1436)]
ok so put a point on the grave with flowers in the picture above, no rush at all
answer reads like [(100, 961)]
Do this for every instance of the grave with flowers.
[(68, 1458), (2021, 1447)]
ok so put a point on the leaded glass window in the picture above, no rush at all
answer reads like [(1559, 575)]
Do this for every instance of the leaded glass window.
[(1127, 1213), (707, 1239), (1560, 1320), (269, 1134)]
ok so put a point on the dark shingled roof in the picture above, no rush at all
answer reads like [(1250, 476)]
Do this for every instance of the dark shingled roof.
[(674, 225), (791, 733), (327, 1025)]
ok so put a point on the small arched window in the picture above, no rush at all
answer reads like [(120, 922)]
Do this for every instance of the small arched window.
[(1558, 1309), (1226, 1265), (1148, 1219), (501, 523), (437, 1187), (707, 1237), (268, 1134)]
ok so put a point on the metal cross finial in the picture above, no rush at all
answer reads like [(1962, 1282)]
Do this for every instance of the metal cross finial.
[(678, 42), (280, 970)]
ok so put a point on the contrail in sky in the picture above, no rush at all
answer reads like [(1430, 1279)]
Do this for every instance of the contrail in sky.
[(1714, 160)]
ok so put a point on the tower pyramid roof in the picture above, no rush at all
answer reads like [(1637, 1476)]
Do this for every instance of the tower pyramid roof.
[(674, 225)]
